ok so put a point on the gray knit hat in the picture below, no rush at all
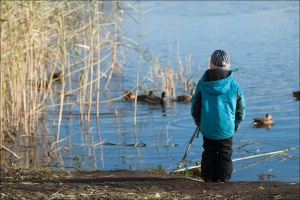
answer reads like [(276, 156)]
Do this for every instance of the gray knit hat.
[(220, 60)]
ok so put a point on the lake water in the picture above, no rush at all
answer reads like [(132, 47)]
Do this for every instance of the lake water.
[(262, 38)]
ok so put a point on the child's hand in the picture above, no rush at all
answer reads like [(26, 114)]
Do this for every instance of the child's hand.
[(237, 126)]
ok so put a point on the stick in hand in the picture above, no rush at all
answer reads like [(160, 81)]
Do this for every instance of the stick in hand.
[(189, 146)]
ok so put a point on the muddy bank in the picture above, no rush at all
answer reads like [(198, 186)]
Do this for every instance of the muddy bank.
[(123, 184)]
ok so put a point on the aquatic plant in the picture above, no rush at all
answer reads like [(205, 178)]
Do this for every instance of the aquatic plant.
[(57, 55), (39, 39)]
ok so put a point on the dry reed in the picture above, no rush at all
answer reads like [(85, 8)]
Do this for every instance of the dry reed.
[(54, 55), (40, 39)]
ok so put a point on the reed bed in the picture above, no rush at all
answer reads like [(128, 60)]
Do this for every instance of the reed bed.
[(43, 42), (57, 54)]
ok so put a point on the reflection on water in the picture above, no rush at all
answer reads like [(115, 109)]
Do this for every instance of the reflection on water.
[(267, 126), (262, 39)]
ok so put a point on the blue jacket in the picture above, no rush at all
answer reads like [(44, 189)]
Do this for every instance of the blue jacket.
[(218, 105)]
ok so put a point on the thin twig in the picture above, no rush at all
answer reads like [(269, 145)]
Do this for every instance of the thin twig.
[(265, 154), (9, 151), (189, 146)]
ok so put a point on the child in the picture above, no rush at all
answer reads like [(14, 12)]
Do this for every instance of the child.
[(218, 107)]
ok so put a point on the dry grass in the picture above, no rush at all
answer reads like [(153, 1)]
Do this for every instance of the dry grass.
[(53, 56), (40, 39)]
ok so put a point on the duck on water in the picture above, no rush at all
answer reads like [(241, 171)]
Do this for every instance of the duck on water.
[(264, 122), (128, 95)]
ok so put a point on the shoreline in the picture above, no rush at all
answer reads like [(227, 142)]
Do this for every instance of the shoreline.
[(128, 184)]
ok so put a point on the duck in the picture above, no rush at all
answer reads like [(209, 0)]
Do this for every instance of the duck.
[(57, 76), (158, 100), (296, 95), (41, 85), (128, 95), (185, 97), (267, 120), (143, 97)]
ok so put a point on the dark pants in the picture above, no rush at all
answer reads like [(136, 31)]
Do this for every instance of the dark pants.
[(216, 161)]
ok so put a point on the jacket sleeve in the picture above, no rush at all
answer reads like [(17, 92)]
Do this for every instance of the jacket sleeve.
[(240, 107), (196, 106)]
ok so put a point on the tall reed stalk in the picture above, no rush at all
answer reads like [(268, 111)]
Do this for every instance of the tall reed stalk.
[(139, 64)]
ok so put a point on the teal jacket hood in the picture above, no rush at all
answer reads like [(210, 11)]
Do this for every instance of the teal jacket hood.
[(217, 87)]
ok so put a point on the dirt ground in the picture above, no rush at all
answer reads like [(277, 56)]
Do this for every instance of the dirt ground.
[(123, 184)]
